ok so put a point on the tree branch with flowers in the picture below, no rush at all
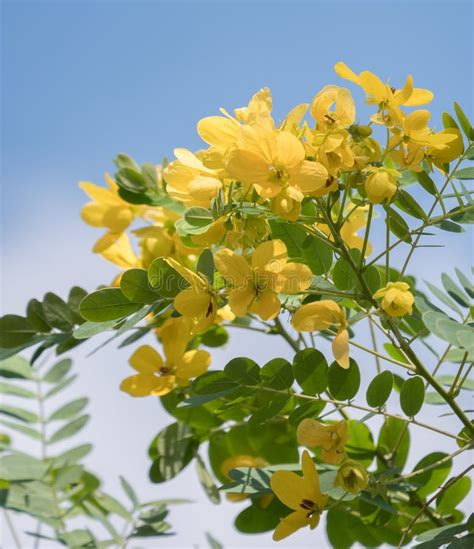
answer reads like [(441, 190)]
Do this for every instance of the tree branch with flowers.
[(270, 229)]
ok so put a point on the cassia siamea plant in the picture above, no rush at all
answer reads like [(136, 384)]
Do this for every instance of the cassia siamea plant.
[(295, 229)]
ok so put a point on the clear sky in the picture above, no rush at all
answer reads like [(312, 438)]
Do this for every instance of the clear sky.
[(83, 81)]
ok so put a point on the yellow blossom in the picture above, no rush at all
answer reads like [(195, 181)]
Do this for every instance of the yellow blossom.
[(331, 438), (107, 208), (383, 94), (344, 113), (197, 302), (190, 181), (255, 285), (301, 494), (321, 315), (158, 377), (381, 184), (333, 149), (352, 477), (270, 161), (116, 248), (397, 299)]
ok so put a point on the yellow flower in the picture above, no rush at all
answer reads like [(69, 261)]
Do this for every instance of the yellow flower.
[(352, 477), (341, 98), (321, 315), (383, 94), (197, 302), (107, 209), (157, 377), (255, 286), (214, 234), (330, 438), (397, 299), (453, 149), (333, 149), (302, 494), (381, 184), (270, 161), (286, 205), (116, 248), (190, 181)]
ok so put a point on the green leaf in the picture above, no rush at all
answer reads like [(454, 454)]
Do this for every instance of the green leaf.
[(114, 506), (464, 173), (198, 217), (464, 121), (213, 543), (277, 374), (25, 430), (466, 283), (344, 384), (395, 353), (60, 386), (311, 409), (15, 331), (107, 304), (360, 445), (243, 371), (398, 225), (453, 495), (89, 329), (74, 454), (76, 295), (255, 519), (35, 316), (69, 430), (317, 255), (16, 367), (427, 183), (22, 467), (408, 204), (129, 491), (69, 410), (443, 297), (205, 265), (431, 480), (18, 413), (10, 389), (164, 279), (310, 369), (270, 408), (213, 382), (123, 161), (373, 278), (379, 389), (292, 235), (135, 287), (175, 447), (343, 275), (58, 371), (454, 290), (393, 443), (412, 395), (215, 336), (57, 313), (206, 480), (449, 122), (131, 180)]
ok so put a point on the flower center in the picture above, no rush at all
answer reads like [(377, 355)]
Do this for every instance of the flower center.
[(278, 174), (309, 506)]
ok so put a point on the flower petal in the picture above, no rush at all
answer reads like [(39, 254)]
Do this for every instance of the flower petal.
[(218, 130), (146, 360), (290, 524), (340, 349), (267, 305), (192, 364), (271, 255), (234, 268)]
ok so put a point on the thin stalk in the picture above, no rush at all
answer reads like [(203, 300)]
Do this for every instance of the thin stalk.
[(367, 232), (374, 345), (11, 527), (387, 247), (286, 336), (430, 501), (452, 389)]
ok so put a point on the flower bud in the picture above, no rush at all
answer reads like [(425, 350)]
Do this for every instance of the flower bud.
[(397, 299), (381, 184), (352, 477)]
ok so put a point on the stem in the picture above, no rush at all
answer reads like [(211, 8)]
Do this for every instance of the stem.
[(387, 247), (11, 527), (343, 404), (366, 235), (286, 336), (428, 467), (420, 369), (428, 503), (374, 344)]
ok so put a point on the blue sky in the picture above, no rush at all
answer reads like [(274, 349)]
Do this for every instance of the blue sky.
[(83, 81)]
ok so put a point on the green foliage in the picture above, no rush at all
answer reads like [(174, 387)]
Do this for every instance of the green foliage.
[(412, 395), (379, 389), (54, 488)]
